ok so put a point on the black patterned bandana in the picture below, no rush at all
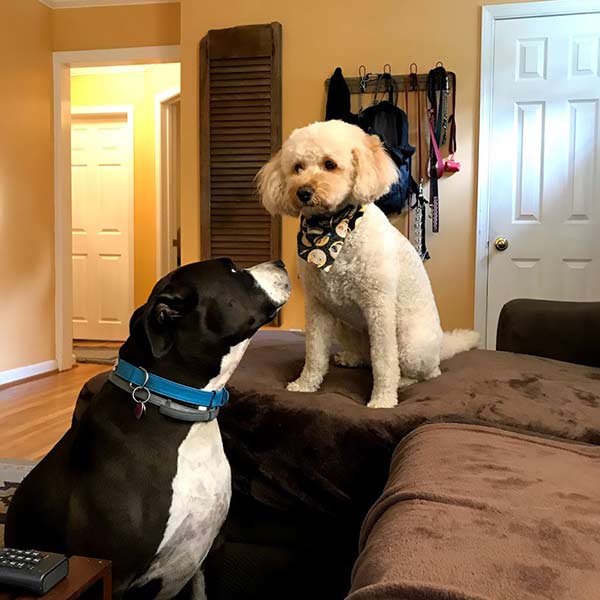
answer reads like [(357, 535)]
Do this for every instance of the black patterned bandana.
[(321, 237)]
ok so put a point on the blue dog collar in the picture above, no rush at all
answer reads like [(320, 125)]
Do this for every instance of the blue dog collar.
[(142, 380)]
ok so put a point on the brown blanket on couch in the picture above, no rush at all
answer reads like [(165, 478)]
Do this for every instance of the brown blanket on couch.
[(327, 454), (481, 513)]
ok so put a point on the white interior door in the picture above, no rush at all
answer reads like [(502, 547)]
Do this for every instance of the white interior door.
[(544, 162), (102, 195), (170, 219)]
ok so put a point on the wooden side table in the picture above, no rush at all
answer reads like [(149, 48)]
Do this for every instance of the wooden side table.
[(88, 579)]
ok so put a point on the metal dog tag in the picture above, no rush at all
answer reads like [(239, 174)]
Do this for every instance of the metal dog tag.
[(139, 410), (140, 405)]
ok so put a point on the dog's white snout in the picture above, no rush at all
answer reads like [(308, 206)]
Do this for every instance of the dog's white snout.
[(274, 281)]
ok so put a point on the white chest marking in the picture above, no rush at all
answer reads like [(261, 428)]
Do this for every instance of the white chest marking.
[(201, 495), (199, 505), (228, 364)]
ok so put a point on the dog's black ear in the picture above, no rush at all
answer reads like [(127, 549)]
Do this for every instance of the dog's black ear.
[(138, 314), (162, 315)]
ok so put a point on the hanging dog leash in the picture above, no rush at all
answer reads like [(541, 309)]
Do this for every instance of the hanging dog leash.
[(444, 106), (411, 190), (437, 95), (451, 166), (420, 205)]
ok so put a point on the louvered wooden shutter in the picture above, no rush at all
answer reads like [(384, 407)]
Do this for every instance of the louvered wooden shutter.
[(240, 128)]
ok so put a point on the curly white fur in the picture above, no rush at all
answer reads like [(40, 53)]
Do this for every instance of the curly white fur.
[(376, 299)]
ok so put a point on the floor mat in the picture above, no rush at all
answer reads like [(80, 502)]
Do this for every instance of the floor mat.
[(101, 355), (12, 472)]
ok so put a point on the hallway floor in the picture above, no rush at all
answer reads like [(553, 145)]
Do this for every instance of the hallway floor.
[(35, 414)]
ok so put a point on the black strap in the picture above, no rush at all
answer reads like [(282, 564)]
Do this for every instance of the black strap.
[(437, 83), (452, 118), (412, 183)]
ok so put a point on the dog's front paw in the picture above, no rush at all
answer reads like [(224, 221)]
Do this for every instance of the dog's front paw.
[(406, 381), (388, 400), (301, 385), (348, 359)]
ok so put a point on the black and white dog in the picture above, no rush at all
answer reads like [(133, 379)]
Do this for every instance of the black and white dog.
[(141, 478)]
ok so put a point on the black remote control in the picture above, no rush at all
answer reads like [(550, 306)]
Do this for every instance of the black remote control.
[(31, 570)]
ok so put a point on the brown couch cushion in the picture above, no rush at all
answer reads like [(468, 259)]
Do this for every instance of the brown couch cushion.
[(476, 512)]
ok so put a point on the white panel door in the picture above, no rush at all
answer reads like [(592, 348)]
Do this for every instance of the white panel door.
[(545, 162), (170, 123), (102, 178)]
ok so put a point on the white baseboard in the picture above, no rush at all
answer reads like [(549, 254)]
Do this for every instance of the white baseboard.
[(19, 373)]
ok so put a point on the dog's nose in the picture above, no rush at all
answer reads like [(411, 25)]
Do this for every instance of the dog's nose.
[(279, 263), (304, 193)]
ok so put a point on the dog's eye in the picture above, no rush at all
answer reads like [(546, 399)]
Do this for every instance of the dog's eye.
[(298, 167), (330, 165)]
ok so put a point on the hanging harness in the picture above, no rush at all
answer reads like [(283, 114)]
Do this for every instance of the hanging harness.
[(438, 90), (437, 96)]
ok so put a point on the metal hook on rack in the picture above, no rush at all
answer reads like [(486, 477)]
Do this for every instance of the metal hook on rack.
[(439, 63), (387, 69), (362, 74), (413, 77)]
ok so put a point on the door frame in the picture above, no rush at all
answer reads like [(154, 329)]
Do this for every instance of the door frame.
[(63, 273), (126, 110), (163, 205), (490, 15)]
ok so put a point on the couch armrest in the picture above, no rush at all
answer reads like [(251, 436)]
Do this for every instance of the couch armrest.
[(568, 331), (479, 512)]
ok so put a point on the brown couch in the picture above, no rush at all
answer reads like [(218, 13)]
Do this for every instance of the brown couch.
[(307, 468)]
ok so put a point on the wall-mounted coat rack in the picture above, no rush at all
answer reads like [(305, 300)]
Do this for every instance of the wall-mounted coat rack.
[(375, 82), (385, 118)]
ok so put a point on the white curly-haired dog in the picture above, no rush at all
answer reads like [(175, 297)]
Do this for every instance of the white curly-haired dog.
[(372, 291)]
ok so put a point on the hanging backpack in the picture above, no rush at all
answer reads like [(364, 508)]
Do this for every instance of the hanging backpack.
[(385, 120), (390, 123)]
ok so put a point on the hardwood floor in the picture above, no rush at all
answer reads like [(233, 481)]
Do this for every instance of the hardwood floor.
[(35, 414)]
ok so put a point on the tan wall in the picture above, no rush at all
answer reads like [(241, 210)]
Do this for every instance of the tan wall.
[(139, 89), (26, 185), (115, 27), (29, 32), (317, 37)]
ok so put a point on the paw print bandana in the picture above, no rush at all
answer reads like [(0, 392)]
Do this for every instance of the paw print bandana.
[(321, 237)]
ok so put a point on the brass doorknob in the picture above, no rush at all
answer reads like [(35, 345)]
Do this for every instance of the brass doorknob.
[(501, 243)]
